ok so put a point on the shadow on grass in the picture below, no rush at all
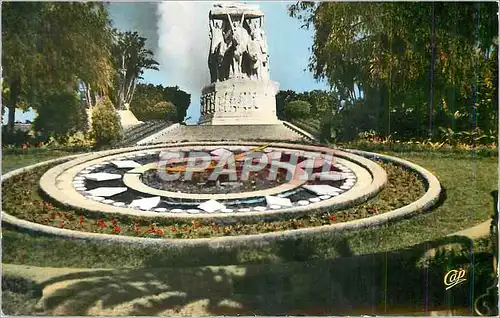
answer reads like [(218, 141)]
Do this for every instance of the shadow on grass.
[(404, 280), (20, 296)]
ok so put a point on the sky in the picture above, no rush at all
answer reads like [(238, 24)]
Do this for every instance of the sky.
[(177, 33)]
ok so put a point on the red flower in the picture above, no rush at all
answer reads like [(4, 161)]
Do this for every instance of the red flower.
[(81, 219), (151, 228), (159, 231), (113, 221), (61, 225), (185, 228), (101, 224), (138, 229), (333, 218), (174, 229), (116, 229)]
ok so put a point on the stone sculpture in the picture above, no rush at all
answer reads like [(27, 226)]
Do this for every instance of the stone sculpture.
[(240, 91), (238, 45), (217, 49)]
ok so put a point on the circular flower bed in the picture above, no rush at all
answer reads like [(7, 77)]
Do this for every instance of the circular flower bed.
[(25, 202)]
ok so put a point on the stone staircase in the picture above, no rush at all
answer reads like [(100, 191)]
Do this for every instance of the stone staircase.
[(141, 131), (230, 132)]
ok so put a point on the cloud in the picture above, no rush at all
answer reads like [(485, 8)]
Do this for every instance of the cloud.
[(183, 45)]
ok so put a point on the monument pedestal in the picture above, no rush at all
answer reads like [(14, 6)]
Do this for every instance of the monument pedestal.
[(239, 102)]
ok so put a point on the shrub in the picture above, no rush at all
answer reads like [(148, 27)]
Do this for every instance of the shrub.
[(106, 127), (152, 110), (297, 109), (16, 137), (60, 114)]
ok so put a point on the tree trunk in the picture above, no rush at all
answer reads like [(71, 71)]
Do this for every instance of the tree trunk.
[(126, 93), (122, 85), (88, 96), (130, 92), (15, 90), (433, 57)]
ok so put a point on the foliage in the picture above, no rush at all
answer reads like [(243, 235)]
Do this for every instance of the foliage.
[(131, 59), (62, 114), (319, 100), (415, 64), (78, 140), (297, 109), (106, 127), (16, 137), (49, 46), (327, 129), (168, 110), (160, 111), (370, 141), (354, 118), (148, 95), (453, 138), (283, 98), (310, 125)]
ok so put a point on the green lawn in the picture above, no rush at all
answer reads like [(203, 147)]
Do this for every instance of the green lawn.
[(29, 157)]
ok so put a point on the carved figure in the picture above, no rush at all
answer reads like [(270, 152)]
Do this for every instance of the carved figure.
[(259, 52), (217, 49), (240, 40)]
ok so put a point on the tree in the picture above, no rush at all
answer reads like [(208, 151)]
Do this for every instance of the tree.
[(62, 114), (106, 127), (148, 95), (413, 62), (48, 46), (131, 59), (297, 109), (319, 100), (167, 110), (179, 98), (282, 98)]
